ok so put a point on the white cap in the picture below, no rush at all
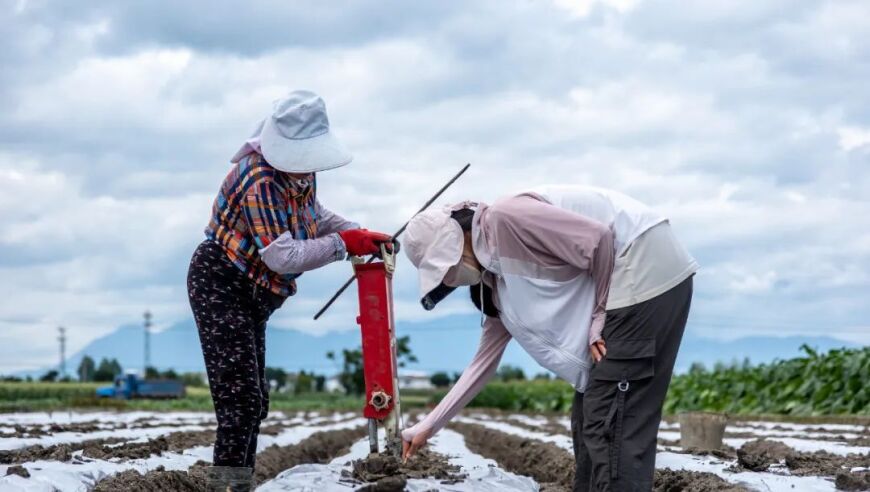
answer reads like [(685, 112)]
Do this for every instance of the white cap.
[(433, 242), (296, 138)]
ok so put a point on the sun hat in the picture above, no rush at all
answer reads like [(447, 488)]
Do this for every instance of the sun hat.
[(433, 242), (296, 137)]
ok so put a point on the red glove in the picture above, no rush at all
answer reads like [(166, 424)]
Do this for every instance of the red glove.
[(361, 242)]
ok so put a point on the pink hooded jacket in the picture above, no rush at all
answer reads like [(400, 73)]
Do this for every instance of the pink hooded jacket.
[(550, 271)]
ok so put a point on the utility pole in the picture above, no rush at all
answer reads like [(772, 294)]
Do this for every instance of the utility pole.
[(147, 342), (62, 339)]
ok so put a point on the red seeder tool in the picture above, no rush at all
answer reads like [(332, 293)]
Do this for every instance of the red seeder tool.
[(375, 281)]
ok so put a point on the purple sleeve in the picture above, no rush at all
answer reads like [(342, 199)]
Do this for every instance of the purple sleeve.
[(482, 368), (288, 255), (329, 222)]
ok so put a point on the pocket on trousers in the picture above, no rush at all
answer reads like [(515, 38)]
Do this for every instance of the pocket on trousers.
[(630, 359)]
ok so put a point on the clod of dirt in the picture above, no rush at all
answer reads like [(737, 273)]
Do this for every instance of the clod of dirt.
[(383, 470), (668, 480), (157, 480), (548, 464), (824, 463), (321, 447), (18, 470), (60, 452), (175, 442), (726, 453), (386, 484), (852, 481), (759, 454)]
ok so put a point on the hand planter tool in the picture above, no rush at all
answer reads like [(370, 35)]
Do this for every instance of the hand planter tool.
[(395, 236), (375, 282)]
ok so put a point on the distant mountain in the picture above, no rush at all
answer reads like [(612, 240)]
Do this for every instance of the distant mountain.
[(442, 344)]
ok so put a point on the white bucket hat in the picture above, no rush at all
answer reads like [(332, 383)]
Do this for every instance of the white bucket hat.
[(296, 137), (433, 242)]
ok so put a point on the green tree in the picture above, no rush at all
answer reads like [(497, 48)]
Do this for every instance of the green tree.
[(440, 380), (107, 370), (304, 382), (508, 372), (116, 367), (276, 375), (193, 379), (86, 369), (170, 374), (543, 376), (49, 377), (352, 376), (151, 372)]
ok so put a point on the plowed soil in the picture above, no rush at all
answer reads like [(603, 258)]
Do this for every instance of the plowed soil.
[(158, 480), (385, 473), (319, 448), (175, 442), (553, 467)]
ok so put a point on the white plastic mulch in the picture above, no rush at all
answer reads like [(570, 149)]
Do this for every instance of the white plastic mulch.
[(766, 481), (50, 476), (483, 474)]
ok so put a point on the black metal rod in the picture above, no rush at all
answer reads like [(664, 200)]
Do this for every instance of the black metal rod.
[(396, 235)]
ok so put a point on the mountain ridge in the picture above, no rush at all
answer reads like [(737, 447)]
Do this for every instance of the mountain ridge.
[(443, 344)]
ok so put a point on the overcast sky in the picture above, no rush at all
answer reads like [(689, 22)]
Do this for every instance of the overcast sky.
[(748, 126)]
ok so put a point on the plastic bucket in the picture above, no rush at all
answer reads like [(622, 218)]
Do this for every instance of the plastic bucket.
[(702, 430)]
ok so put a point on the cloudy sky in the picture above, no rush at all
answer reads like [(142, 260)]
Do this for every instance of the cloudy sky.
[(747, 125)]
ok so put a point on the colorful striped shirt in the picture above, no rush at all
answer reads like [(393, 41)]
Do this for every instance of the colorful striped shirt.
[(256, 205)]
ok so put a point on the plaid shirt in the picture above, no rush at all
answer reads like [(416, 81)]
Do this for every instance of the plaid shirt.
[(255, 205)]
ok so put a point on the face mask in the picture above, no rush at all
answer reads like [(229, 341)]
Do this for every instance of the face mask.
[(462, 274), (302, 182)]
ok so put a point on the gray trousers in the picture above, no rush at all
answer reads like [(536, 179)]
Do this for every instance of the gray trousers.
[(614, 424)]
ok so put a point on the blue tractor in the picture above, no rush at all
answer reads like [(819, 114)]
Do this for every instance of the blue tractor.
[(131, 386)]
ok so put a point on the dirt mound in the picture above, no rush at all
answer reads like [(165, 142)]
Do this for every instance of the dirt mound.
[(726, 453), (549, 426), (553, 467), (175, 442), (824, 463), (319, 448), (759, 454), (60, 452), (548, 464), (18, 470), (157, 480), (386, 472), (852, 481), (668, 480)]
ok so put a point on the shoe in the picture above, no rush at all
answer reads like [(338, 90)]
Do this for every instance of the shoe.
[(229, 479)]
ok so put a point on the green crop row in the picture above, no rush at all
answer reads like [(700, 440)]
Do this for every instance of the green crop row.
[(816, 384), (833, 383), (48, 391)]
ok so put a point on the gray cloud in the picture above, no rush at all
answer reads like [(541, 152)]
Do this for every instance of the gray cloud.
[(747, 124)]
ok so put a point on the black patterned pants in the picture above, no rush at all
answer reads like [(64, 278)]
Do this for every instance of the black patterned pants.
[(231, 315)]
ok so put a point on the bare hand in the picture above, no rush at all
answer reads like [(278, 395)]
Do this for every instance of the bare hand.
[(598, 350), (409, 448)]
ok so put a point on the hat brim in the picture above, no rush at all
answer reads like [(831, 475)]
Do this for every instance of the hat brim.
[(440, 248), (308, 155)]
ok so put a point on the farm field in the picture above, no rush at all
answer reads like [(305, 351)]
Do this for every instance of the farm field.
[(482, 450)]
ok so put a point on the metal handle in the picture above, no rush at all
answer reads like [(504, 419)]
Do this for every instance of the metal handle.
[(398, 233)]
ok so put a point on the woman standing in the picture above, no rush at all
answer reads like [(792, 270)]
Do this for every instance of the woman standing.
[(267, 228), (562, 270)]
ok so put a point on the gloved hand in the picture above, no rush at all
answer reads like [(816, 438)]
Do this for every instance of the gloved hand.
[(362, 242)]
